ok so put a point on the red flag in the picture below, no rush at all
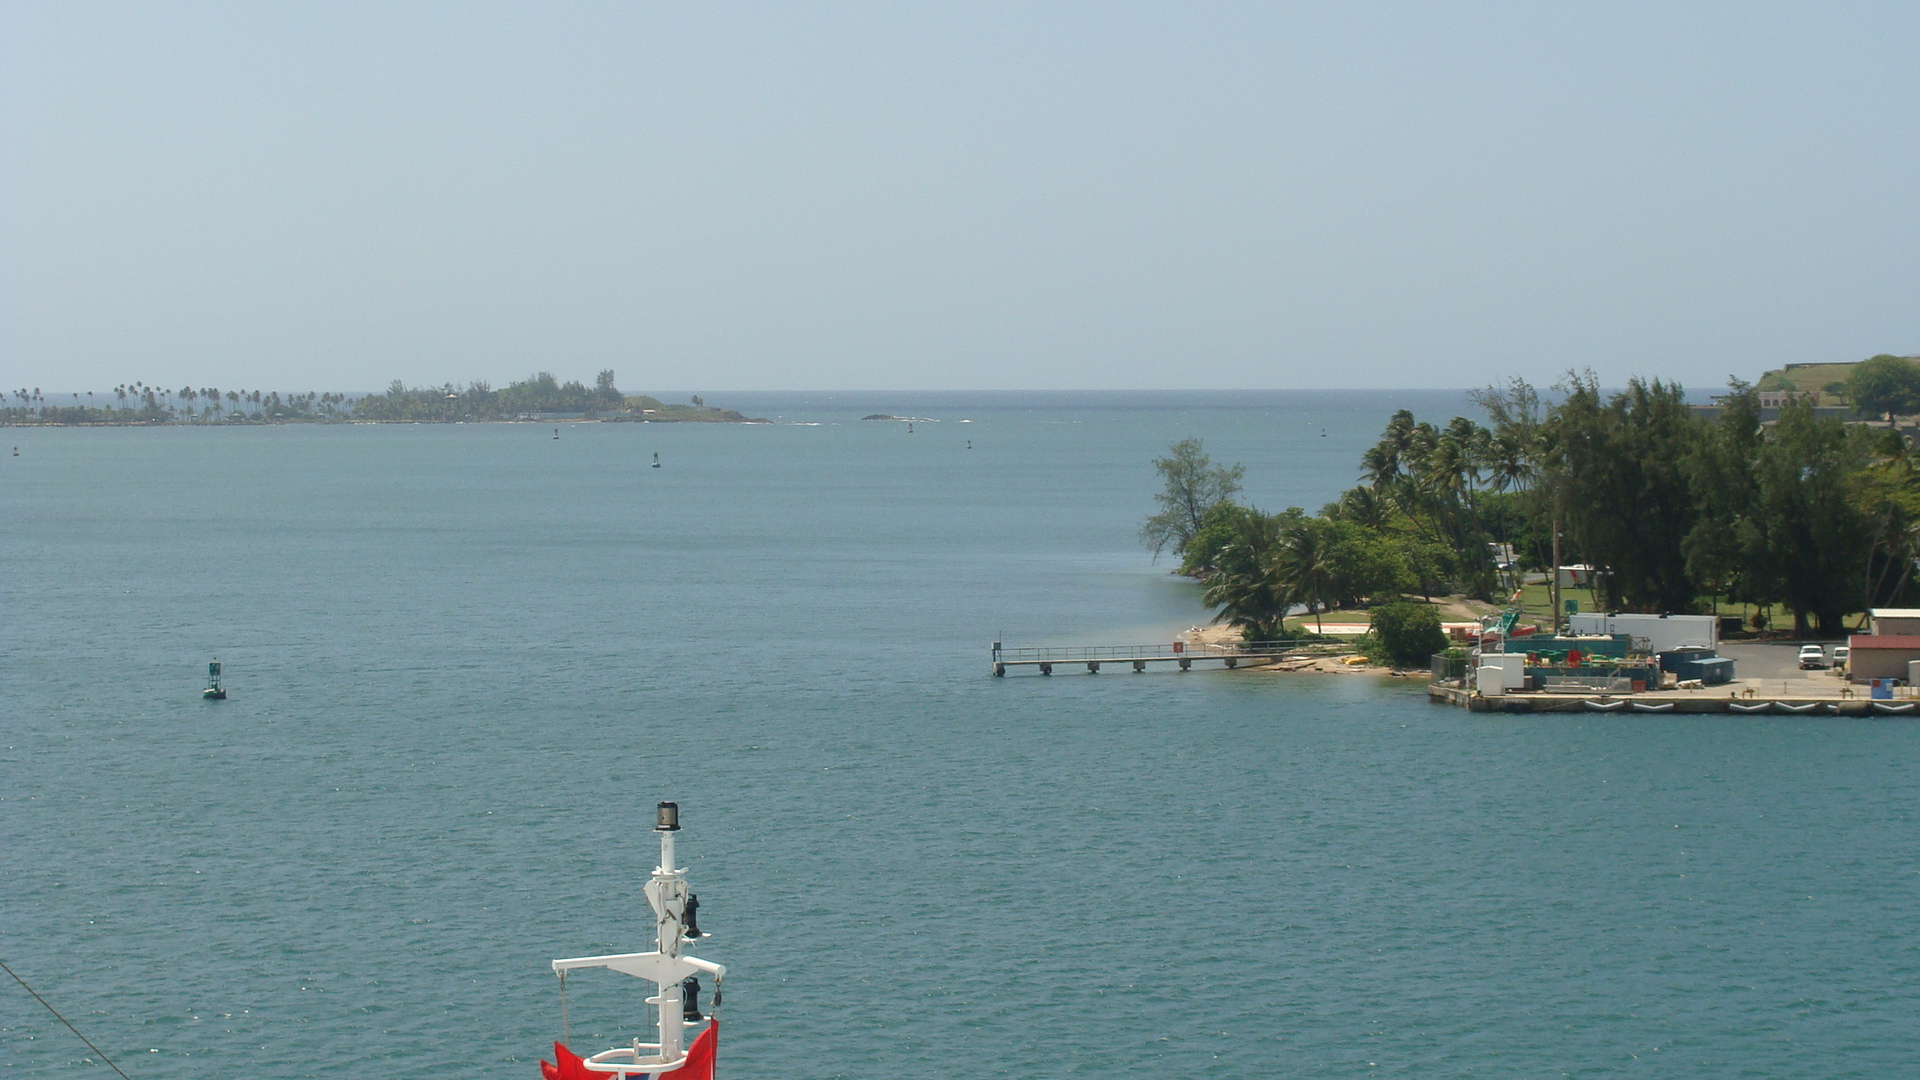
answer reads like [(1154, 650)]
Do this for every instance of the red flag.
[(699, 1064), (570, 1067)]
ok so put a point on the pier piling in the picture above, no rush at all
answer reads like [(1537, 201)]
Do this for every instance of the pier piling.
[(1180, 653)]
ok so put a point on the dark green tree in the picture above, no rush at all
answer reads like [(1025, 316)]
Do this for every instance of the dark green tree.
[(1722, 555), (1806, 533), (1405, 633), (1627, 502), (1887, 494), (1367, 564), (1885, 384)]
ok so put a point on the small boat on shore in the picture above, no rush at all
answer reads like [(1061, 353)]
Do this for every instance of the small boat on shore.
[(672, 969)]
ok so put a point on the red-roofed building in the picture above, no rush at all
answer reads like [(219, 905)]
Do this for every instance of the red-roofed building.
[(1881, 656)]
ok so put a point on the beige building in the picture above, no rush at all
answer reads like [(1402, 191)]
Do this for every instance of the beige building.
[(1895, 621)]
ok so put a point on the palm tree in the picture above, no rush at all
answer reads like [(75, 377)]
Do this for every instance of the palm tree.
[(1447, 472), (1301, 567), (1240, 585), (1365, 506), (1380, 465), (1510, 464)]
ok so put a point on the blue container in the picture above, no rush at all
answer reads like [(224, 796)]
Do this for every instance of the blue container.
[(1713, 670), (1684, 662)]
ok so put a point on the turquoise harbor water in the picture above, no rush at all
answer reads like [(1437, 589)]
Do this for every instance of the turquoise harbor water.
[(465, 662)]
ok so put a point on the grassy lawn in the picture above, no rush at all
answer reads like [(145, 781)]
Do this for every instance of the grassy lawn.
[(1537, 604), (1815, 378), (1452, 609), (1781, 618), (1329, 617)]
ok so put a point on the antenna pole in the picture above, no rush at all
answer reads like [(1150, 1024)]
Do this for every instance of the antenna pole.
[(671, 889)]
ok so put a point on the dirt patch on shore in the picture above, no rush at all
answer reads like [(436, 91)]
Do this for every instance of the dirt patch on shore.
[(1319, 665), (1216, 634), (1457, 608)]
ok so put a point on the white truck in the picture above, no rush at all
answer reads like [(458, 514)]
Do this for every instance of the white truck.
[(1663, 633)]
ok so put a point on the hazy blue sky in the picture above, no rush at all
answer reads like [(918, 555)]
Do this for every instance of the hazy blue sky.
[(718, 196)]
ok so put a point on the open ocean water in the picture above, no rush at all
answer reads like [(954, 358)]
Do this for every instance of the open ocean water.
[(465, 662)]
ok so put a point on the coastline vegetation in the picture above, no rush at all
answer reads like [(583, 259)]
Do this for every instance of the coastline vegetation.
[(538, 397), (1844, 384), (1677, 509)]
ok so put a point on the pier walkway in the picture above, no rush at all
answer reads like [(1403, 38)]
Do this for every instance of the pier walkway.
[(1182, 655)]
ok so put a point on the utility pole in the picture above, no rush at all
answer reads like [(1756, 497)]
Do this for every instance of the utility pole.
[(1554, 570)]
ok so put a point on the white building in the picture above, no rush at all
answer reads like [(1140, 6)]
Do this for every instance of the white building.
[(1887, 620), (1663, 633)]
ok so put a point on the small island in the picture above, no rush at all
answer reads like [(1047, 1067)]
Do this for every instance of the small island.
[(539, 398)]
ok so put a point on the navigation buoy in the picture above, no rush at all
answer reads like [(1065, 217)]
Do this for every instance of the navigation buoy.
[(556, 433), (656, 459), (214, 691)]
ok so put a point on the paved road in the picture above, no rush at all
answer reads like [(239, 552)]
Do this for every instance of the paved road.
[(1771, 659)]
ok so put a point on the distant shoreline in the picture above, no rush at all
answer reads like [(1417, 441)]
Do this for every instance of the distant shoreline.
[(538, 399), (339, 422)]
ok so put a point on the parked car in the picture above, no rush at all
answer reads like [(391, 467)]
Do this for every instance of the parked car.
[(1812, 656), (1840, 655)]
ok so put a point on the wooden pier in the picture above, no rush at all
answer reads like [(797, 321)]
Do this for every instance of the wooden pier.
[(1182, 655)]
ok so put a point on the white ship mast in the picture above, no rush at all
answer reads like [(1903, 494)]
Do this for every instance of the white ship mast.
[(667, 966)]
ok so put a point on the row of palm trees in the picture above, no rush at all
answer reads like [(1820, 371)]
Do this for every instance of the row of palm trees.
[(1431, 502), (142, 402), (1274, 563)]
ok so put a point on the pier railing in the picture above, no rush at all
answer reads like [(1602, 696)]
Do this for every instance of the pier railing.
[(1069, 654), (1180, 653), (1450, 669)]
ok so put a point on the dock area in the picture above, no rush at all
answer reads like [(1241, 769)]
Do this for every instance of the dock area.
[(1638, 663), (1820, 695)]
